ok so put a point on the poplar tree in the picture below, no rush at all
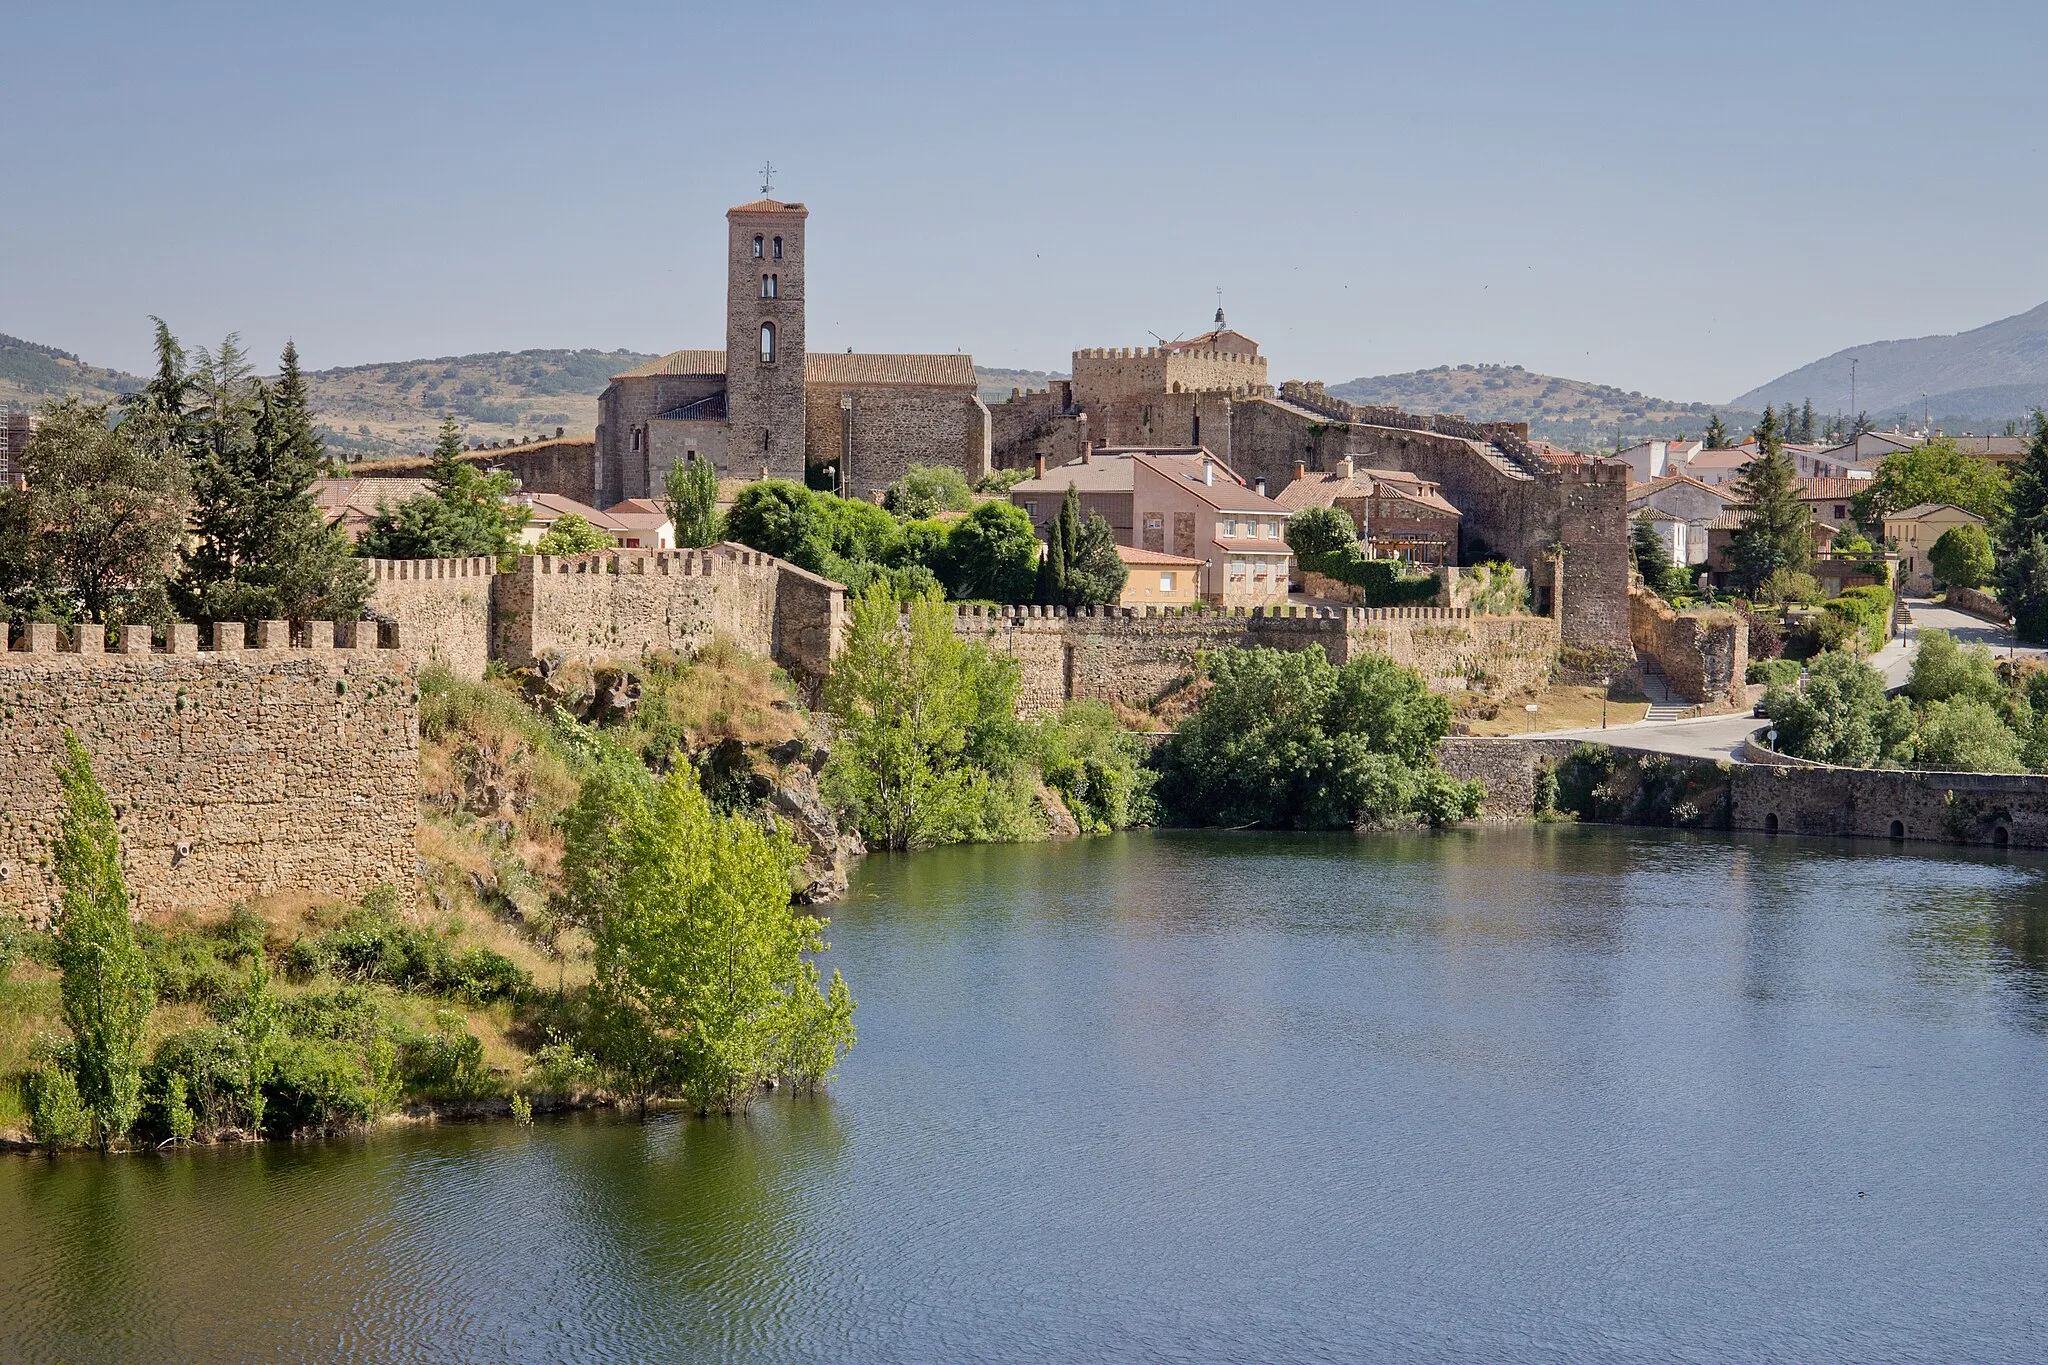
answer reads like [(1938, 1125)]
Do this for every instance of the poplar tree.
[(1777, 530), (692, 504), (107, 989)]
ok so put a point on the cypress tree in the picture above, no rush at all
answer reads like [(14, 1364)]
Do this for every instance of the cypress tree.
[(2023, 541), (1777, 530)]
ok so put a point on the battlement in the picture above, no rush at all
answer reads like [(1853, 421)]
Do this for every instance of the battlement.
[(405, 570), (1169, 353), (37, 640), (1350, 616)]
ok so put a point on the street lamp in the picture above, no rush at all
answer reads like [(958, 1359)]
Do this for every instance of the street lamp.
[(1605, 684)]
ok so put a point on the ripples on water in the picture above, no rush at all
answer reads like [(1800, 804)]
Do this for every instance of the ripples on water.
[(1550, 1094)]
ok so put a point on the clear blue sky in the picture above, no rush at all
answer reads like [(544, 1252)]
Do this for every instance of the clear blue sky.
[(1685, 199)]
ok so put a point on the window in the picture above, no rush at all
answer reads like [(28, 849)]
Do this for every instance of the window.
[(1031, 510), (757, 246), (1166, 582), (768, 286), (767, 343), (1840, 511), (1222, 529), (1272, 530), (778, 248)]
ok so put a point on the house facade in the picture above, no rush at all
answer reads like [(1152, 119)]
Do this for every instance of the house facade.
[(1910, 534)]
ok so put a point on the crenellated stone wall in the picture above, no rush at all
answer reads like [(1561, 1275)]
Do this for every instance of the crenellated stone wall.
[(257, 765), (1135, 655), (442, 608)]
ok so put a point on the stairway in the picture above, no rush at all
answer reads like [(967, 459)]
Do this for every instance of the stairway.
[(1665, 704)]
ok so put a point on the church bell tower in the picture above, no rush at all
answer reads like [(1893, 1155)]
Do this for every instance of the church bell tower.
[(764, 338)]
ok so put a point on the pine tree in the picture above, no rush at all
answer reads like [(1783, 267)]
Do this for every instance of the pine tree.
[(1717, 433), (1777, 530), (1806, 423), (465, 514), (298, 435), (2023, 541)]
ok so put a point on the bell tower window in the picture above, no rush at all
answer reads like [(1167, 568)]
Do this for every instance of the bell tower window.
[(769, 286), (778, 248), (757, 246), (767, 343)]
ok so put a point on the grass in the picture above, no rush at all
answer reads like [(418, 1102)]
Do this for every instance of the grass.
[(1558, 707)]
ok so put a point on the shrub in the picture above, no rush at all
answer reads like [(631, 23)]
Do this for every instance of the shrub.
[(1967, 736), (1790, 587), (448, 1063), (1386, 582), (926, 490), (1944, 670), (1962, 557), (1780, 672), (1317, 531), (57, 1115), (1766, 633), (318, 1086), (1842, 717), (1095, 765), (376, 946), (1867, 614), (572, 535)]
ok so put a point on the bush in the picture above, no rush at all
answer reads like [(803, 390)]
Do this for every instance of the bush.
[(1962, 557), (1766, 633), (1791, 588), (1317, 531), (1866, 613), (57, 1116), (926, 490), (1967, 736), (318, 1086), (448, 1064), (1944, 671), (1095, 765), (376, 946), (1386, 582), (572, 535), (1842, 717), (1778, 672)]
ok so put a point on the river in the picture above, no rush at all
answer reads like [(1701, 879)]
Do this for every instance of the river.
[(1554, 1094)]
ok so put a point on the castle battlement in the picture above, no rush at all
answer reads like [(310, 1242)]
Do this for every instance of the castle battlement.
[(1350, 616), (401, 570), (40, 640), (1168, 353)]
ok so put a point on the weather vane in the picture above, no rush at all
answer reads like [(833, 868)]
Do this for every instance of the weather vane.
[(767, 176)]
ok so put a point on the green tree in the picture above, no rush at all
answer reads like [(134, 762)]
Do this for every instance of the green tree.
[(692, 504), (1843, 716), (926, 490), (2023, 541), (781, 518), (465, 514), (106, 988), (1081, 567), (1653, 557), (1316, 531), (98, 521), (572, 535), (1962, 557), (1285, 739), (930, 746), (991, 554), (1944, 670), (1934, 471), (1777, 530), (702, 972), (1716, 436), (1967, 736), (1806, 423)]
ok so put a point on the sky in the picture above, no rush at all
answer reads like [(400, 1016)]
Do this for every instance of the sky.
[(1684, 199)]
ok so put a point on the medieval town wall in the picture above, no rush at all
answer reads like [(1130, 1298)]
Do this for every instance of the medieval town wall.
[(442, 608), (1704, 653), (1136, 656), (566, 465), (258, 767)]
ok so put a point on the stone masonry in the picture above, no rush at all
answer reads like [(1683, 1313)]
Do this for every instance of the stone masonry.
[(234, 772)]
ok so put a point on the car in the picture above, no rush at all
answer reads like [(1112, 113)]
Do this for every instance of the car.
[(1759, 711)]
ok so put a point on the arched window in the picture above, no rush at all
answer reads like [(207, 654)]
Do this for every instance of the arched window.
[(768, 286), (778, 248), (767, 343), (757, 246)]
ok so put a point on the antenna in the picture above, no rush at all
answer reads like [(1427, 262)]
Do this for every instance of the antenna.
[(767, 176)]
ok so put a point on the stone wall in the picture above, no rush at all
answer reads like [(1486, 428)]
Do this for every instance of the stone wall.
[(442, 608), (895, 426), (1976, 603), (565, 465), (1136, 655), (233, 773), (1704, 652)]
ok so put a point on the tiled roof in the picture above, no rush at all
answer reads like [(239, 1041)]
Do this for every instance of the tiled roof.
[(1435, 502), (828, 367), (1824, 490), (1225, 494), (549, 507), (335, 497), (1130, 554), (767, 206), (1920, 510), (1104, 473), (1664, 481), (1322, 488), (1734, 457), (710, 364), (1207, 341), (707, 409)]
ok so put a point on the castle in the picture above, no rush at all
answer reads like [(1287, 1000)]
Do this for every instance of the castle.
[(767, 405)]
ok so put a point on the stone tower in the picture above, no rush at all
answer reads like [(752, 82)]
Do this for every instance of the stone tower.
[(764, 339)]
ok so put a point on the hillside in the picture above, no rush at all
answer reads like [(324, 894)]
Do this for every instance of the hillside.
[(30, 374), (994, 384), (1567, 412), (1986, 376)]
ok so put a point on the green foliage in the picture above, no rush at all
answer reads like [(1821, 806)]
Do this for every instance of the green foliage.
[(107, 991), (703, 985), (1081, 567), (1866, 612), (1285, 739), (2023, 541), (1499, 592), (926, 490), (1544, 791), (1945, 671), (1716, 434), (930, 748), (374, 945), (1386, 582), (572, 535), (1315, 531), (1000, 481), (991, 555), (691, 490), (466, 513), (1777, 530), (1653, 557), (1967, 735), (1962, 557), (1781, 672), (1789, 588), (1843, 716), (99, 518), (1095, 765), (58, 1115), (1934, 471), (781, 518)]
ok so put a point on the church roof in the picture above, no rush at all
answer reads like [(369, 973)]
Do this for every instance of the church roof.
[(829, 367), (767, 206), (1211, 341)]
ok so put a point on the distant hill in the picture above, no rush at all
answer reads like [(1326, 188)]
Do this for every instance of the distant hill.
[(994, 384), (1566, 412), (1993, 374), (31, 374)]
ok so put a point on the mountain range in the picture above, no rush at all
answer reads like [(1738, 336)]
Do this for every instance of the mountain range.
[(1985, 376)]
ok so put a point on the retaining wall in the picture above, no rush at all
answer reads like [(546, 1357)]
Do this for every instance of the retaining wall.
[(257, 767), (1705, 653)]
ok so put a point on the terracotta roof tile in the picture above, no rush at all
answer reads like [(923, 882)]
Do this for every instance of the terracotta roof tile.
[(1130, 554), (828, 367)]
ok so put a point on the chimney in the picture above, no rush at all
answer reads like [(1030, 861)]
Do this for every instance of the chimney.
[(1088, 453), (764, 473), (1300, 470), (1208, 470), (1262, 487), (1348, 468), (1041, 466)]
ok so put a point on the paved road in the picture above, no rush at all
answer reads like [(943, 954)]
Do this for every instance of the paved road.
[(1721, 736)]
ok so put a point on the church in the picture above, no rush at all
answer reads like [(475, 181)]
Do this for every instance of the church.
[(765, 405)]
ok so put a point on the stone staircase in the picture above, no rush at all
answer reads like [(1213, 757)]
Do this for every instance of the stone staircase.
[(1665, 703)]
